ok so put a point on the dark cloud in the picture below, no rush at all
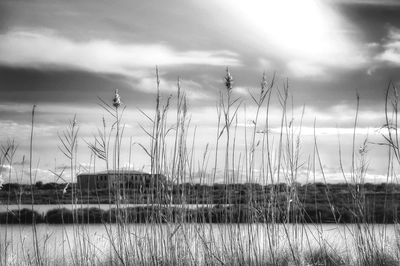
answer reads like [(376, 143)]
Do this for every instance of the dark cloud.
[(21, 85), (372, 19), (342, 89), (128, 21)]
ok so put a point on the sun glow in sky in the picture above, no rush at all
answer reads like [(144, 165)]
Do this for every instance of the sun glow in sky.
[(62, 55), (299, 28), (309, 35)]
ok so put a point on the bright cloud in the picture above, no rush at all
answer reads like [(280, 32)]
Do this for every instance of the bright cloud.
[(190, 88), (47, 49), (310, 35), (391, 46), (305, 69), (310, 131)]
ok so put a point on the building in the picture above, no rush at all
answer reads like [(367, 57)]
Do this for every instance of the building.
[(124, 179)]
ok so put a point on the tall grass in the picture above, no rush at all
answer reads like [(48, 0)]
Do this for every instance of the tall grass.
[(283, 237)]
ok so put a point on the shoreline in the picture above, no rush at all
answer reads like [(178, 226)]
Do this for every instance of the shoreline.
[(233, 214)]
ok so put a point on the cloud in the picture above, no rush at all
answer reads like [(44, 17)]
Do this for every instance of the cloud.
[(5, 167), (391, 47), (337, 177), (46, 49), (193, 90), (22, 130), (331, 131), (311, 35), (366, 2), (305, 69)]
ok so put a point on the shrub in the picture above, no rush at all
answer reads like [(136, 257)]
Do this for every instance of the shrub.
[(23, 216), (59, 216)]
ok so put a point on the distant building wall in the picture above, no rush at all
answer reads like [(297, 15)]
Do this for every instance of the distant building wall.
[(86, 181)]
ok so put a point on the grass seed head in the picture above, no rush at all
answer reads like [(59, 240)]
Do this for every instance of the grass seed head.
[(117, 99), (264, 83), (228, 80)]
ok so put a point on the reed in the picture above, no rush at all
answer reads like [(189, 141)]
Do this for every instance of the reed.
[(272, 224)]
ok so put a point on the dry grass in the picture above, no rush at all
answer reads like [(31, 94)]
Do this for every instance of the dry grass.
[(287, 243)]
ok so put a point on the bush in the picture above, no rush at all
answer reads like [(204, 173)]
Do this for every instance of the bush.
[(89, 215), (59, 216), (24, 216)]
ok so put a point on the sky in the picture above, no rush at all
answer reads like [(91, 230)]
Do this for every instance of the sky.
[(62, 56)]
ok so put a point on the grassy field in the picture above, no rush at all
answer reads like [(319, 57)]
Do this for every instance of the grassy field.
[(275, 204)]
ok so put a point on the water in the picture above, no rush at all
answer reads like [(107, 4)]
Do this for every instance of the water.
[(43, 208), (64, 243)]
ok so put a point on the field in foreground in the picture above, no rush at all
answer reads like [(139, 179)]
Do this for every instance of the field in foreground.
[(202, 244)]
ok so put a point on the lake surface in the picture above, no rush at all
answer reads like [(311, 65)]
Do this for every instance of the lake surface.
[(43, 208), (67, 243)]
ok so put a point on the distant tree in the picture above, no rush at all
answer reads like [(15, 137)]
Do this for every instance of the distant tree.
[(10, 186), (39, 184), (53, 186)]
